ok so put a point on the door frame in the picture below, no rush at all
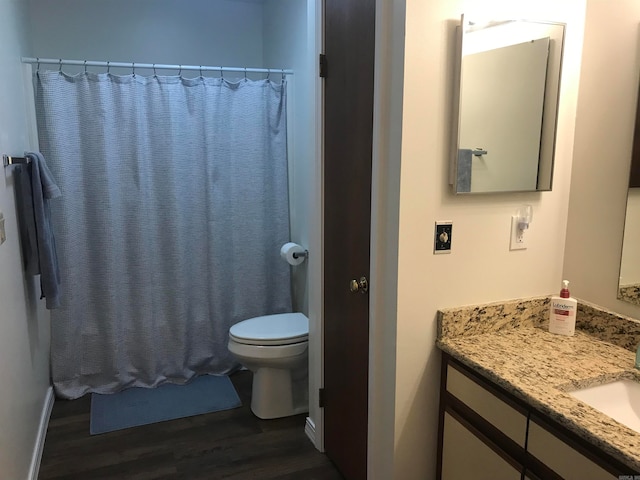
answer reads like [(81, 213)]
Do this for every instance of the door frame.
[(314, 427), (385, 199)]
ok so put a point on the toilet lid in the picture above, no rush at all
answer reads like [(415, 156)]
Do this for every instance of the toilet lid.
[(280, 329)]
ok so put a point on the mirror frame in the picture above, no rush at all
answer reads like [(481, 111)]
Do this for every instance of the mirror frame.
[(550, 109)]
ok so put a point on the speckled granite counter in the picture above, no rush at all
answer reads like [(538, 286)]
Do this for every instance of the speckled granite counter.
[(509, 344)]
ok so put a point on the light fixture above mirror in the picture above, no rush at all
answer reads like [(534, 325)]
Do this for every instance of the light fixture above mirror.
[(506, 106)]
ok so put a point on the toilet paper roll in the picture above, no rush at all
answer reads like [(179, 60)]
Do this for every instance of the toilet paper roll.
[(287, 251)]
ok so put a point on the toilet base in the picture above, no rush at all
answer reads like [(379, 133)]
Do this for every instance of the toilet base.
[(279, 392)]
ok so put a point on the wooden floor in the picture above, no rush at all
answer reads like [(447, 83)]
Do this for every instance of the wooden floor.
[(233, 444)]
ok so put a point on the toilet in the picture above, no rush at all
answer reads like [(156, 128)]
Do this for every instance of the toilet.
[(275, 349)]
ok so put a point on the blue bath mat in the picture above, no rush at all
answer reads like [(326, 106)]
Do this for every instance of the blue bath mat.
[(141, 406)]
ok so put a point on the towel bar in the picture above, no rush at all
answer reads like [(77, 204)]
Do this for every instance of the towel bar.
[(9, 160), (478, 152)]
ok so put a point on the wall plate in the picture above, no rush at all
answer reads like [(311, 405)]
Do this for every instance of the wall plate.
[(442, 237), (518, 239)]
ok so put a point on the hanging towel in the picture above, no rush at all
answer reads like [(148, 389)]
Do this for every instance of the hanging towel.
[(465, 157), (36, 188)]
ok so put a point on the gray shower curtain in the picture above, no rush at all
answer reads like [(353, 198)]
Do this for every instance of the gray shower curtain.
[(174, 207)]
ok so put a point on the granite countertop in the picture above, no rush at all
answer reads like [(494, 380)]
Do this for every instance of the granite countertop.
[(509, 344)]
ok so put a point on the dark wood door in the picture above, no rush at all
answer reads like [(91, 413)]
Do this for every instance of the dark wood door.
[(349, 48)]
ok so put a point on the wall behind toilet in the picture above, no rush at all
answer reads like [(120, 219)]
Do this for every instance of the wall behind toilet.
[(285, 43)]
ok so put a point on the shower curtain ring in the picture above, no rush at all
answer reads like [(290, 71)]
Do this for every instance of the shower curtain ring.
[(245, 73), (38, 65), (180, 70), (200, 70), (85, 66), (108, 67), (60, 66), (133, 69), (268, 73), (221, 73), (154, 70), (283, 76)]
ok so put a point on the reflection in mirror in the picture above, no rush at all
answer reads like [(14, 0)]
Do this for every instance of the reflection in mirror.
[(629, 287), (629, 282), (506, 107)]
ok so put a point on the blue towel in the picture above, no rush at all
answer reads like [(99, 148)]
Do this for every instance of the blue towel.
[(36, 188)]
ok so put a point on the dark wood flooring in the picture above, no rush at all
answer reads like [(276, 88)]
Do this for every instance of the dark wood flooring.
[(232, 444)]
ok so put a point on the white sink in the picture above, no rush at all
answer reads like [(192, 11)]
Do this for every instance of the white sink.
[(620, 400)]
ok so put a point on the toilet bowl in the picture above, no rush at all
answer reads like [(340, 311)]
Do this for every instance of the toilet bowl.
[(275, 349)]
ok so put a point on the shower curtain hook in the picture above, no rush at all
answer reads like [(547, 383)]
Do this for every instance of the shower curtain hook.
[(85, 66), (221, 73), (268, 73), (245, 73), (133, 69), (154, 70), (283, 76), (38, 65), (108, 67), (180, 71), (200, 70), (60, 66)]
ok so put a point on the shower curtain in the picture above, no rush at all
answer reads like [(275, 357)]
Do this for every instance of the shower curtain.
[(174, 207)]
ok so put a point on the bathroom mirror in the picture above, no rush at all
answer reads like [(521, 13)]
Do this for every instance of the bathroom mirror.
[(506, 105), (629, 280)]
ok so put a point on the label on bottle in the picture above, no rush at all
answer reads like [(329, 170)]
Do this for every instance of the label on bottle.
[(562, 318)]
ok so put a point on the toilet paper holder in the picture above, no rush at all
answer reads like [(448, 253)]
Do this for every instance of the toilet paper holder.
[(304, 254)]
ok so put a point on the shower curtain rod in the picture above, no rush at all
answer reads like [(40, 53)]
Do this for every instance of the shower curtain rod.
[(153, 66)]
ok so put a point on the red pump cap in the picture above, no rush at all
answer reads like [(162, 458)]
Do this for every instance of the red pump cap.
[(564, 293)]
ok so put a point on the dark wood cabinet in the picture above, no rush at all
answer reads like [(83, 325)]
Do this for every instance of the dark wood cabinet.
[(507, 438)]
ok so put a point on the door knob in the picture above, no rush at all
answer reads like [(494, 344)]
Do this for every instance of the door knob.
[(361, 285)]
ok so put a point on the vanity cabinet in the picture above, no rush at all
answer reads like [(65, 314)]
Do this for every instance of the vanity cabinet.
[(487, 433)]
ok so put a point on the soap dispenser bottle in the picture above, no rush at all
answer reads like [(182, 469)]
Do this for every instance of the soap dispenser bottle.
[(562, 312)]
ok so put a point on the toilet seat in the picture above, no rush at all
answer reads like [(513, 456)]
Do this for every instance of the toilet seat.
[(271, 330)]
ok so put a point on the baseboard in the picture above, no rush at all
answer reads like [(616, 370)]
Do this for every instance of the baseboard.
[(34, 469), (310, 430)]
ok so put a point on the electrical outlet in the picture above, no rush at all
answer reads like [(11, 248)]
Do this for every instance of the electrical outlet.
[(442, 240), (518, 240)]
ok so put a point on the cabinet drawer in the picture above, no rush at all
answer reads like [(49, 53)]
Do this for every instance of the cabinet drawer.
[(466, 456), (561, 458), (497, 412)]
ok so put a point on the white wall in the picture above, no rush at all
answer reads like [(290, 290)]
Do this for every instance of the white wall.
[(285, 46), (480, 268), (207, 32), (24, 324), (606, 112)]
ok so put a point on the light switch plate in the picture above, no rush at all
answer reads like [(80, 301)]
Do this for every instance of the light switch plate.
[(442, 237)]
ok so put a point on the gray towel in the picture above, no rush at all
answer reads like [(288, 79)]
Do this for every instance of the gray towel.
[(36, 187), (463, 183)]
